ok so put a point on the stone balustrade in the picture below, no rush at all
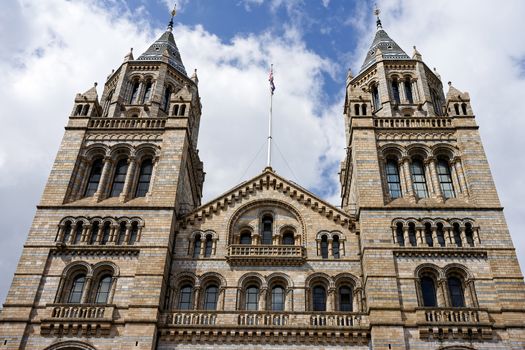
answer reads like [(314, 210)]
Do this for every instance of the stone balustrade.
[(75, 319), (392, 123), (453, 316), (244, 254), (127, 123), (79, 312)]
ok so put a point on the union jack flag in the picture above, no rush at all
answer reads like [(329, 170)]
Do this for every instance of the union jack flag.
[(270, 79)]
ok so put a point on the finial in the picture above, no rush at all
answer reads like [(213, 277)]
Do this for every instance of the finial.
[(377, 11), (95, 84), (173, 13), (449, 83)]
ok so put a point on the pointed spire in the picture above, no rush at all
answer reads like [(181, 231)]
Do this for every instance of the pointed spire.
[(194, 77), (349, 75), (416, 55), (173, 13), (377, 11), (129, 56), (437, 74)]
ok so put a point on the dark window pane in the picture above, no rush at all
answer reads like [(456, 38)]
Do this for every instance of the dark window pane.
[(105, 233), (146, 169), (408, 91), (209, 246), (78, 233), (456, 292), (394, 182), (457, 235), (412, 234), (288, 238), (147, 92), (345, 299), (335, 247), (324, 247), (246, 237), (121, 233), (418, 179), (67, 232), (252, 298), (94, 177), (134, 92), (210, 298), (94, 233), (119, 178), (395, 91), (133, 233), (197, 247), (428, 235), (267, 233), (77, 287), (428, 291), (319, 298), (104, 286), (399, 235), (278, 298), (185, 297), (445, 179)]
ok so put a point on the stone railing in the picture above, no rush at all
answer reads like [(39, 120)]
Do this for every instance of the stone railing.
[(68, 319), (263, 319), (79, 312), (244, 254), (127, 123), (392, 123), (453, 316)]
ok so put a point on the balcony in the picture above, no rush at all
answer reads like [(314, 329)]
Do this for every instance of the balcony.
[(467, 323), (88, 319), (280, 255), (127, 123)]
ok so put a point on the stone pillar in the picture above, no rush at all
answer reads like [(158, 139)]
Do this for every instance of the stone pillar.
[(60, 235), (196, 298), (288, 301), (155, 162), (112, 290), (113, 234), (103, 179), (408, 178), (85, 234), (435, 241), (262, 299), (434, 178), (394, 235), (402, 178), (406, 237), (125, 195), (203, 247), (461, 175), (470, 291), (86, 290), (330, 248), (463, 236), (447, 235), (442, 293), (330, 300), (420, 236), (220, 299), (458, 191), (475, 236), (76, 191), (214, 245), (126, 235)]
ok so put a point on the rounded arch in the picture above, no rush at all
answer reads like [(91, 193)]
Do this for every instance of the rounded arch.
[(457, 269), (212, 277), (399, 221), (71, 345), (96, 150), (418, 150), (346, 278), (263, 203), (72, 220), (277, 277), (425, 221), (252, 277), (320, 235), (444, 150), (320, 277), (428, 269), (121, 150), (112, 221), (184, 277), (146, 150), (76, 267), (442, 222), (106, 266), (392, 150), (413, 221)]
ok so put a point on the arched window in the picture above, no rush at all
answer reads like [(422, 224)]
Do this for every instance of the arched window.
[(85, 110), (408, 91), (94, 177), (445, 178), (418, 178), (363, 108), (356, 109), (428, 235), (105, 233), (78, 233), (395, 91), (166, 99), (436, 101), (345, 298), (209, 246), (175, 110), (277, 298), (147, 92), (121, 233), (119, 178), (197, 246), (76, 290), (392, 178), (94, 233), (455, 289), (133, 233), (107, 103), (441, 235), (288, 238), (182, 109), (146, 169), (67, 232), (464, 108), (457, 234), (211, 294), (335, 247), (252, 298), (134, 92), (78, 110), (324, 247), (267, 229), (412, 234), (399, 234), (103, 288), (456, 108), (319, 298), (375, 98), (186, 297), (246, 237), (428, 291), (469, 234)]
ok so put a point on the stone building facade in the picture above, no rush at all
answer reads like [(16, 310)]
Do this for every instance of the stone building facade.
[(123, 255)]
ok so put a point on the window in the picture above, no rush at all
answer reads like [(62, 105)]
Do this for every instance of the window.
[(182, 110), (445, 178), (464, 108), (428, 291), (85, 110), (436, 101), (119, 178), (103, 288), (375, 98), (185, 297), (77, 288), (399, 234), (428, 235), (133, 233), (335, 247), (252, 298), (107, 103), (392, 178), (94, 233), (456, 292), (469, 233), (267, 223), (456, 108), (175, 110), (319, 298), (209, 246), (147, 92), (105, 233), (121, 233), (246, 237), (197, 247), (418, 178), (356, 109), (146, 169), (166, 99), (67, 232), (94, 177), (408, 91), (395, 91), (211, 294), (277, 298), (288, 238), (457, 234), (324, 247), (440, 235), (78, 110), (134, 92), (363, 108), (345, 299), (412, 234), (78, 233)]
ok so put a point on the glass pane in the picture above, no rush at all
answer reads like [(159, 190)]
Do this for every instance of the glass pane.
[(456, 292), (78, 233), (75, 293), (121, 234), (197, 247), (104, 287), (278, 298), (345, 299), (335, 247), (418, 179), (105, 234), (94, 178), (445, 179), (288, 239), (146, 169), (408, 91), (394, 182), (429, 292), (94, 233), (246, 238), (185, 297), (133, 233), (324, 247), (210, 298), (252, 298), (267, 230), (119, 178), (209, 246), (319, 298)]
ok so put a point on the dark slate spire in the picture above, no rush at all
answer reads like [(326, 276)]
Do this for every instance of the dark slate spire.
[(165, 45), (388, 48)]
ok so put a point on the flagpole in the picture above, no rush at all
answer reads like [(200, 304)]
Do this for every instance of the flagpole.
[(269, 159)]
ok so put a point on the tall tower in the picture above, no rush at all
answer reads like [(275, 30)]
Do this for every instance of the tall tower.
[(92, 272), (439, 267)]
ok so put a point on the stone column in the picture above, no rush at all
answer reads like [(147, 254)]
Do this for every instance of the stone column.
[(406, 237), (220, 299), (442, 293), (262, 299), (330, 248), (472, 300), (76, 191), (103, 179), (288, 301), (463, 236), (155, 162), (126, 235), (435, 241), (124, 195), (203, 247), (402, 178), (214, 245), (420, 236), (85, 234), (60, 235), (113, 234), (196, 298), (112, 290), (476, 238), (447, 235), (330, 300), (86, 290), (461, 175), (408, 178), (458, 191)]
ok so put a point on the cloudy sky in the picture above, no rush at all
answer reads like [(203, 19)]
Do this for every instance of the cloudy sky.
[(50, 50)]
